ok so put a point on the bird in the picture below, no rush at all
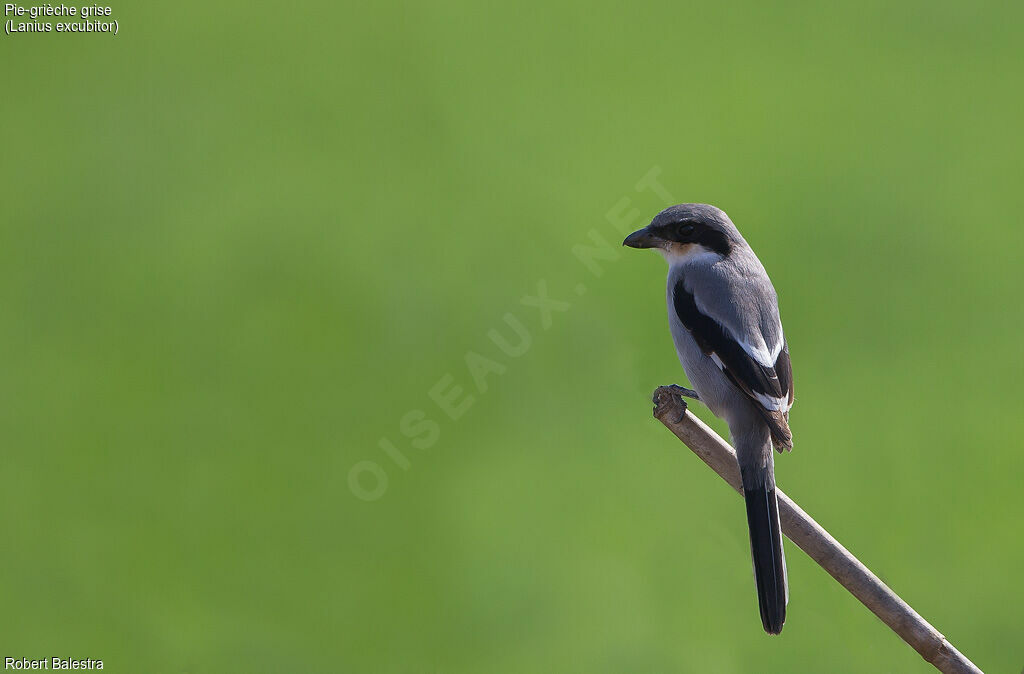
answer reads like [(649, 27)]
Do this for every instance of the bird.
[(724, 318)]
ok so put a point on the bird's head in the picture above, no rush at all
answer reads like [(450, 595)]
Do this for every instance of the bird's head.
[(687, 231)]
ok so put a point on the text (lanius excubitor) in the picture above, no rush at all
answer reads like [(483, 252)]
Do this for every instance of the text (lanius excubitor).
[(81, 19)]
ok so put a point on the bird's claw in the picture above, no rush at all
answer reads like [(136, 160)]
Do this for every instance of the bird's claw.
[(682, 393)]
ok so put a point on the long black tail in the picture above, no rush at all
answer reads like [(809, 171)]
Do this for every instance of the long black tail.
[(766, 551)]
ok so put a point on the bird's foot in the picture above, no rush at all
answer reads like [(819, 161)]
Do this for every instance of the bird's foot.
[(682, 393)]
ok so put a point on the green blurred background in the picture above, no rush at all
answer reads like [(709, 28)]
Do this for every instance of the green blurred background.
[(240, 243)]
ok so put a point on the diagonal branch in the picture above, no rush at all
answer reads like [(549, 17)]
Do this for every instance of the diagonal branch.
[(810, 537)]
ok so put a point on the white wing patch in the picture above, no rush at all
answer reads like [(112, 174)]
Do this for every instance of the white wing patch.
[(759, 351), (773, 404), (762, 355)]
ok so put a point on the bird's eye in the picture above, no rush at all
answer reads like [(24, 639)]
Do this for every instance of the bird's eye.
[(684, 230)]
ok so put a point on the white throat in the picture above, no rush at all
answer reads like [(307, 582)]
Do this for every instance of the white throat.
[(677, 255)]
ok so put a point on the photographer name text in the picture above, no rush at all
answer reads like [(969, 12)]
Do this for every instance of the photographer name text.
[(52, 663)]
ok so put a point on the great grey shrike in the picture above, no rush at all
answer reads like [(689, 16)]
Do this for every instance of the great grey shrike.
[(724, 317)]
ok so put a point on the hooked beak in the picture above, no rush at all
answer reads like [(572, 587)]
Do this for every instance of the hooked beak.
[(642, 238)]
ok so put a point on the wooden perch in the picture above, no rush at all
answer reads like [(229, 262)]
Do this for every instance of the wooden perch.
[(810, 537)]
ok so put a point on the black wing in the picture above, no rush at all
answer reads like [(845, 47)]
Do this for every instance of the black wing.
[(760, 383)]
